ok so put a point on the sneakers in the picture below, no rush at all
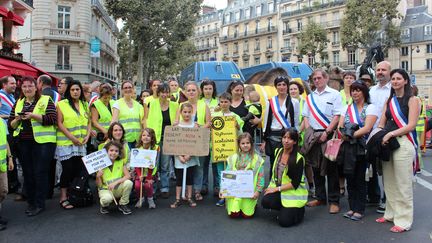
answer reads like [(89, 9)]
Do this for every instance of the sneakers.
[(151, 203), (221, 203), (381, 208), (139, 203), (124, 209), (103, 210)]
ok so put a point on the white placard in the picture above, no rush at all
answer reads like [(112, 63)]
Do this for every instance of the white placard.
[(96, 161), (143, 158), (237, 184)]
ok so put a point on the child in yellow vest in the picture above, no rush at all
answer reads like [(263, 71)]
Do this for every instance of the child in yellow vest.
[(114, 181)]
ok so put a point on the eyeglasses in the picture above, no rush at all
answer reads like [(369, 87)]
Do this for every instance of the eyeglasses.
[(127, 87), (60, 84)]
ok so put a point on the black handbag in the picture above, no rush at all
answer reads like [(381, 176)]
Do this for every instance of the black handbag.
[(79, 192)]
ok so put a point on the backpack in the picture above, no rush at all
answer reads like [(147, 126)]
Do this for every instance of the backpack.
[(79, 192)]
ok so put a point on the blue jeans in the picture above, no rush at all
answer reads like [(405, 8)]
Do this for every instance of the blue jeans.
[(217, 168), (164, 169), (199, 174)]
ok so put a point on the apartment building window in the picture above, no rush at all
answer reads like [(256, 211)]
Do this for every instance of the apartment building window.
[(429, 64), (257, 44), (428, 30), (246, 29), (336, 15), (246, 63), (237, 16), (404, 51), (257, 24), (226, 18), (335, 38), (236, 31), (404, 65), (215, 55), (429, 48), (299, 25), (269, 59), (63, 58), (352, 57), (311, 60), (323, 18), (63, 17), (257, 60), (246, 46), (336, 58), (405, 32), (287, 43), (258, 10), (247, 13), (286, 27), (225, 49), (298, 5), (270, 24), (269, 42), (236, 48), (270, 7)]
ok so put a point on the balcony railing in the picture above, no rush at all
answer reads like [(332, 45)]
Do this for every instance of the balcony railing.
[(206, 47), (331, 24), (286, 49), (255, 32), (207, 32), (63, 67), (64, 34), (313, 8)]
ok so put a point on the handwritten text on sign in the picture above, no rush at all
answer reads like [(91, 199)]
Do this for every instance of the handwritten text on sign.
[(224, 137), (186, 141), (96, 161)]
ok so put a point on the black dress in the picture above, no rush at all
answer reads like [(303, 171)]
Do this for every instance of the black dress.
[(242, 111)]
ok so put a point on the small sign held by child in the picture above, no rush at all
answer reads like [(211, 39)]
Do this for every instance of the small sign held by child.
[(96, 161)]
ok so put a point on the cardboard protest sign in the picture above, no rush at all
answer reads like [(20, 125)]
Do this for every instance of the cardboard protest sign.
[(186, 141), (237, 184), (224, 137), (96, 161), (143, 158)]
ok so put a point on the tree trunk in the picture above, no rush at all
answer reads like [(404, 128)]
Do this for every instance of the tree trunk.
[(140, 67)]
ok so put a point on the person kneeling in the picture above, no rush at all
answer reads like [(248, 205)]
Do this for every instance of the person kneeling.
[(286, 191), (114, 181)]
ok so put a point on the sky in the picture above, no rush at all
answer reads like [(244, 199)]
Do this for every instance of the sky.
[(219, 4)]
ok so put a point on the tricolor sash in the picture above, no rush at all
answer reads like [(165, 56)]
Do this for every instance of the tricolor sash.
[(401, 121), (354, 115), (7, 100), (93, 99), (277, 113), (56, 97), (316, 113)]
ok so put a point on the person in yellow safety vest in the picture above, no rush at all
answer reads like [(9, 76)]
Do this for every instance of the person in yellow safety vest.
[(129, 113), (202, 116), (33, 118), (116, 132), (114, 181), (74, 129), (208, 96), (154, 84), (101, 112), (287, 191), (159, 113), (246, 159), (421, 124), (348, 79), (6, 163)]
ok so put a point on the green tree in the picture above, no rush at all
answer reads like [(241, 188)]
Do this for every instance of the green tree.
[(127, 67), (158, 30), (313, 40), (368, 22)]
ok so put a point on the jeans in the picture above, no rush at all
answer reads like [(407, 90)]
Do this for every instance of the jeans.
[(35, 160), (199, 174), (164, 169)]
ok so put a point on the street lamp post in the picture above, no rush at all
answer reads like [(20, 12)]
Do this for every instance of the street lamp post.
[(411, 54)]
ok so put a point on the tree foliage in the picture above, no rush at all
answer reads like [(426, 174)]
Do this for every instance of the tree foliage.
[(366, 23), (158, 32), (313, 40)]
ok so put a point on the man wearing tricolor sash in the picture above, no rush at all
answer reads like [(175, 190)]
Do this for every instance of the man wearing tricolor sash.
[(399, 120), (321, 115)]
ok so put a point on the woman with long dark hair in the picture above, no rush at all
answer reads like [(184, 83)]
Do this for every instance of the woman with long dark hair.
[(399, 118), (74, 127), (287, 191)]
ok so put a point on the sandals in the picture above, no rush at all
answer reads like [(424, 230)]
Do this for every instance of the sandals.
[(381, 220), (348, 214), (198, 196), (397, 229), (191, 203), (356, 217), (66, 205), (176, 204)]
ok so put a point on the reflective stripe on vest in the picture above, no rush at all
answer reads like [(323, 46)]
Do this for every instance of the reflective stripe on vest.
[(131, 120), (75, 123), (3, 150), (155, 119), (41, 134), (105, 115), (290, 198)]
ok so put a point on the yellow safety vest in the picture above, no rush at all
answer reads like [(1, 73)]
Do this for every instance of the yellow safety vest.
[(256, 163), (41, 134), (148, 99), (75, 123), (115, 174), (290, 198), (154, 119), (105, 115), (131, 120), (125, 150), (420, 127), (201, 112), (3, 150), (344, 99)]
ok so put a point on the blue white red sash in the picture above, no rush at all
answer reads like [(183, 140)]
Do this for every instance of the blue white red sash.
[(316, 113), (7, 100), (277, 113), (401, 121), (354, 115), (93, 99), (56, 97)]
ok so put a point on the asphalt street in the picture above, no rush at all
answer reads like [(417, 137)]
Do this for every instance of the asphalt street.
[(209, 223)]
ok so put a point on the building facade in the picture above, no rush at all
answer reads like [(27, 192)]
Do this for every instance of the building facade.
[(58, 39), (206, 36)]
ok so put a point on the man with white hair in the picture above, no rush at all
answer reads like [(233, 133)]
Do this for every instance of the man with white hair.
[(95, 91)]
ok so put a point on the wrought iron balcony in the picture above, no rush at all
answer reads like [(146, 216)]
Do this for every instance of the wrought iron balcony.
[(67, 67)]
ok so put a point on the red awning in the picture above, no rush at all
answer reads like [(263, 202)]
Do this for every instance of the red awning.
[(4, 71), (3, 11), (17, 68), (16, 19)]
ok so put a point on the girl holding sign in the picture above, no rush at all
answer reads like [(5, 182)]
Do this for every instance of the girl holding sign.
[(185, 164), (246, 159), (114, 181), (145, 177)]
